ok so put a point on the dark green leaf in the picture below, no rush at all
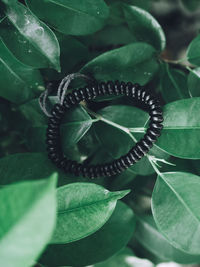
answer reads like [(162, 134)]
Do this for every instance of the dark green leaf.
[(193, 82), (117, 142), (71, 17), (136, 62), (144, 26), (175, 207), (30, 40), (181, 134), (193, 52), (75, 124), (107, 241), (83, 208), (27, 218), (148, 235), (19, 83), (191, 5), (174, 85)]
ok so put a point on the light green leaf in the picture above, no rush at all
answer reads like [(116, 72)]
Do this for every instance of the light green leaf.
[(135, 62), (101, 245), (144, 27), (27, 218), (174, 85), (181, 134), (150, 238), (19, 83), (193, 82), (193, 52), (83, 208), (74, 126), (176, 209), (30, 40), (71, 17)]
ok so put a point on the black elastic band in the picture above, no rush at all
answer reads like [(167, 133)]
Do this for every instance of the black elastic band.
[(90, 92)]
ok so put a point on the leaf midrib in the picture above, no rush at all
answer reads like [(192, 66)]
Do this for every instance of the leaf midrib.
[(90, 204)]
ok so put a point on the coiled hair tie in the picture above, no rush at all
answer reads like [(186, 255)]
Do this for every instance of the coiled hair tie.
[(90, 92)]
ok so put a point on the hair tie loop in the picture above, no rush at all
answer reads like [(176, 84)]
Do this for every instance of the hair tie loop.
[(89, 92)]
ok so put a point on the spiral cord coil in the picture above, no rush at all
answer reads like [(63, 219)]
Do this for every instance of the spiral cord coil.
[(90, 92)]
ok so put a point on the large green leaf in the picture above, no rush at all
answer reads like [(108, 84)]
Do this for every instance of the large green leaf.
[(144, 26), (193, 82), (148, 235), (19, 83), (193, 52), (27, 218), (71, 17), (135, 62), (30, 40), (181, 134), (174, 85), (101, 245), (176, 209), (83, 208), (75, 124)]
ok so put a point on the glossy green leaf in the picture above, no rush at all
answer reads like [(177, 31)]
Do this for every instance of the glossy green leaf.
[(191, 5), (174, 85), (125, 258), (117, 142), (30, 40), (83, 208), (27, 218), (148, 235), (101, 245), (71, 17), (181, 134), (9, 2), (144, 26), (75, 124), (19, 83), (193, 52), (175, 207), (193, 82), (135, 62)]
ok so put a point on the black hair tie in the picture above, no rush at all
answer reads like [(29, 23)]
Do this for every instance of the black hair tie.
[(90, 92)]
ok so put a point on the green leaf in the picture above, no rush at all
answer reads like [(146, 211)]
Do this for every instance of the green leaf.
[(32, 166), (83, 208), (174, 85), (181, 134), (19, 83), (71, 17), (73, 55), (144, 27), (193, 82), (150, 238), (101, 245), (193, 52), (135, 62), (30, 40), (191, 5), (117, 142), (175, 207), (74, 126), (27, 218), (9, 2)]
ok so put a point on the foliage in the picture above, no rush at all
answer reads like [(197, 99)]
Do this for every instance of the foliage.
[(152, 209)]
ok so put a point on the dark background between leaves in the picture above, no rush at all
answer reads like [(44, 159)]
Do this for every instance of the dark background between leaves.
[(153, 42)]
